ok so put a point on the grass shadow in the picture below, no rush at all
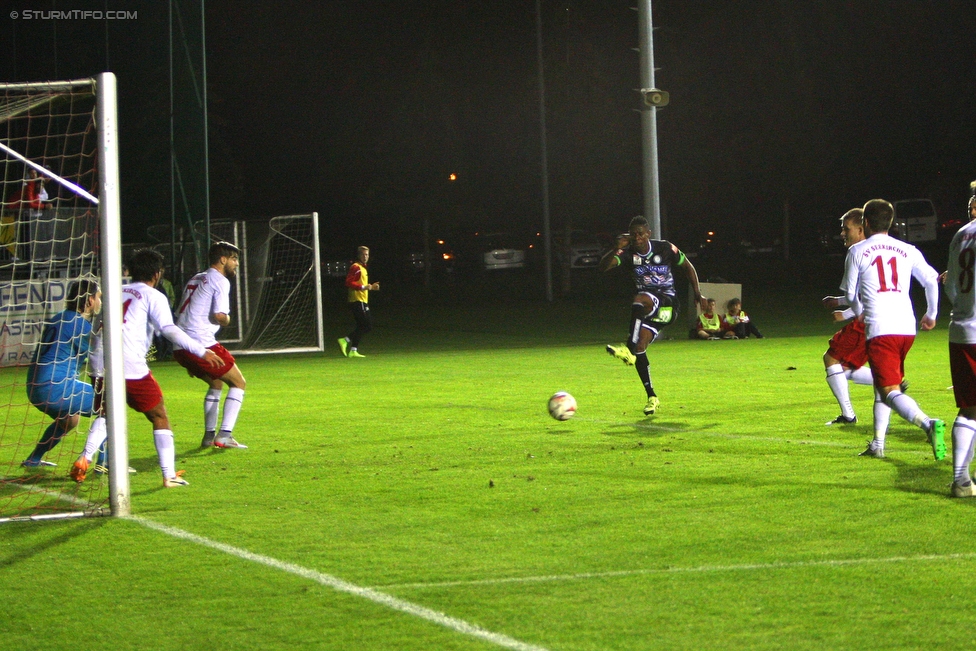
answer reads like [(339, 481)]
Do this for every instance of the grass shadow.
[(26, 553)]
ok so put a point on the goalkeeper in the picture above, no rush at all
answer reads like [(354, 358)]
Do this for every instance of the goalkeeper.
[(204, 309), (52, 378)]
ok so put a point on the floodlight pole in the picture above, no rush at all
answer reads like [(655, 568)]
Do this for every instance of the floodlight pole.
[(546, 230), (652, 189)]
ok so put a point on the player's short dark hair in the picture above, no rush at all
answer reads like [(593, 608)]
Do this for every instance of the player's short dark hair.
[(79, 292), (222, 249), (144, 265), (733, 301), (878, 214), (638, 221), (854, 215)]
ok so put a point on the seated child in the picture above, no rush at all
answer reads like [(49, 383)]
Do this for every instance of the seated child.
[(738, 323), (710, 324)]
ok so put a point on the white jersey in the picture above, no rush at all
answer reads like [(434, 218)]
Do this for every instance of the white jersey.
[(206, 294), (959, 285), (145, 311), (877, 275)]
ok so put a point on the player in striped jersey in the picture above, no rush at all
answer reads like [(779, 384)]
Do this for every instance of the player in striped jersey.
[(655, 305)]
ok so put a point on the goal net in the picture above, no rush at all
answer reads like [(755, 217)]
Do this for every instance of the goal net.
[(276, 298), (282, 283), (59, 193)]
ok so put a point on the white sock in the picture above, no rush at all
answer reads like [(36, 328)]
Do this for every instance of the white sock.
[(211, 408), (96, 436), (882, 416), (837, 381), (861, 375), (907, 408), (232, 407), (166, 451), (963, 435)]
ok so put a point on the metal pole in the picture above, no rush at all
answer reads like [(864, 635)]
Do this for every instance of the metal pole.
[(546, 232), (172, 158), (652, 190), (109, 215), (206, 137)]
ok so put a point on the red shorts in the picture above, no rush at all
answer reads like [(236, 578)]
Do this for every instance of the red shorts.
[(198, 367), (847, 346), (143, 394), (962, 365), (887, 354)]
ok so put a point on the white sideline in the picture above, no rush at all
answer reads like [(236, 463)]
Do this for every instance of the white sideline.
[(339, 585), (685, 570)]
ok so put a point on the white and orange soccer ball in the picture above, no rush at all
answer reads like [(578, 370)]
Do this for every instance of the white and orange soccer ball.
[(562, 406)]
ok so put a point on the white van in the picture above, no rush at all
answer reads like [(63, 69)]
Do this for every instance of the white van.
[(915, 220)]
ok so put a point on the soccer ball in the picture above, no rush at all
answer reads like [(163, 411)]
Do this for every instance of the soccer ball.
[(562, 406)]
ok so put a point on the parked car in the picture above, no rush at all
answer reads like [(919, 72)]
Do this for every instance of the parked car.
[(501, 251), (442, 258), (585, 250), (915, 220)]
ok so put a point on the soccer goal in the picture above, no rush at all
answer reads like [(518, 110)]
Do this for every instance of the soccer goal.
[(59, 223), (281, 287), (277, 297)]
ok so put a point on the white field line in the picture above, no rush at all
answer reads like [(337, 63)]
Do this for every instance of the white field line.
[(339, 585), (703, 569), (335, 583)]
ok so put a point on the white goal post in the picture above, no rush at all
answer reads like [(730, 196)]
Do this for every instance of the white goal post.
[(60, 223)]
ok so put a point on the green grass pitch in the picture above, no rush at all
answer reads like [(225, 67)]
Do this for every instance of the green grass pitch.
[(422, 498)]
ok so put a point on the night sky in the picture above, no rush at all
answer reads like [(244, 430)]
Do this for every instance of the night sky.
[(361, 110)]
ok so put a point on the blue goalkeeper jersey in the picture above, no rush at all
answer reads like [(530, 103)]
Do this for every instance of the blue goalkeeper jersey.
[(63, 349)]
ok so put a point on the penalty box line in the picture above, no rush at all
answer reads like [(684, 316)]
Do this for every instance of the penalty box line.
[(340, 585), (702, 569)]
